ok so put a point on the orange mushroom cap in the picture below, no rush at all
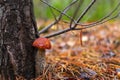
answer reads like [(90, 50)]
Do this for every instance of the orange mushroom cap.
[(42, 43)]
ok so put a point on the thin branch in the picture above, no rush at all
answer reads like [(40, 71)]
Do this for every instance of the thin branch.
[(75, 13), (89, 26), (59, 18), (101, 21), (70, 29), (67, 8), (84, 12), (58, 32), (115, 9), (53, 13)]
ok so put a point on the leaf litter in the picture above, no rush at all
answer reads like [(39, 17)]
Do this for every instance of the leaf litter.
[(97, 58)]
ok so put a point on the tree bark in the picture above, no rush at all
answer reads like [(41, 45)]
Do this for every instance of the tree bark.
[(17, 32)]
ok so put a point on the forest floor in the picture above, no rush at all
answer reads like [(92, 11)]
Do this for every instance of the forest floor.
[(94, 56)]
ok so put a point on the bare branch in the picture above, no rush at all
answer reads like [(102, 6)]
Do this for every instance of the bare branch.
[(58, 32), (70, 29), (59, 18), (84, 12), (53, 13), (107, 16), (75, 13), (89, 26), (85, 26)]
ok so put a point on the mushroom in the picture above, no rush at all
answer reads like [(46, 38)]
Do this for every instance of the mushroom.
[(42, 44)]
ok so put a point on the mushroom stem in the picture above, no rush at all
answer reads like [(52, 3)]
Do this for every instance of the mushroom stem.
[(41, 44), (40, 62)]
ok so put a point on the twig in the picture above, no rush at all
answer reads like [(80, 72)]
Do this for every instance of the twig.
[(84, 12), (58, 32), (53, 13), (59, 18), (99, 22), (70, 29), (115, 9), (75, 13)]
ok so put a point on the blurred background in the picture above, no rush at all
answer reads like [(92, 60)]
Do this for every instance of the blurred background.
[(99, 10), (89, 54)]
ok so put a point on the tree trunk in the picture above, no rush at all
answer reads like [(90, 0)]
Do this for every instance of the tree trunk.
[(17, 32)]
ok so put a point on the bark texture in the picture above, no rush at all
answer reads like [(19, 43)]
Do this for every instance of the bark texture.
[(17, 32)]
